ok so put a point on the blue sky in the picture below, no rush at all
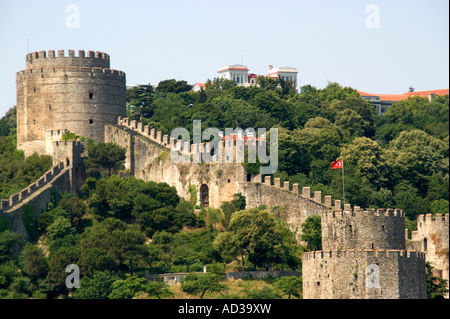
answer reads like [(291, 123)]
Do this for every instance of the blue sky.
[(190, 40)]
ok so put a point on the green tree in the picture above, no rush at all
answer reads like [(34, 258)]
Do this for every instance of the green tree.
[(440, 206), (158, 290), (312, 233), (173, 86), (352, 122), (368, 159), (102, 157), (291, 286), (8, 122), (97, 286), (96, 259), (74, 209), (127, 288), (56, 277), (69, 136), (113, 197), (10, 245), (407, 197), (123, 243), (60, 228), (199, 284), (219, 84), (139, 102), (228, 208), (415, 156), (256, 234), (29, 222), (33, 262), (436, 286)]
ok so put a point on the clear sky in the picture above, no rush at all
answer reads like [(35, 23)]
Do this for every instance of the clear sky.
[(375, 46)]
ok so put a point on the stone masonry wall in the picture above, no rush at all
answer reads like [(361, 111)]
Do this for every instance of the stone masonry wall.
[(67, 175), (363, 229), (334, 274), (148, 151), (432, 238), (76, 93)]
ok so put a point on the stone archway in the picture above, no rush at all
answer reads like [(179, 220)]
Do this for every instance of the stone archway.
[(204, 195)]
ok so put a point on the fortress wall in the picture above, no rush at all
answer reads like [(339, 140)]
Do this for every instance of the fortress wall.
[(432, 238), (37, 199), (363, 229), (289, 206), (351, 274), (150, 161), (66, 175), (148, 158)]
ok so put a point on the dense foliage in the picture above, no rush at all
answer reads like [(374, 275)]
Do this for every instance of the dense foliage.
[(119, 228), (16, 170), (396, 160)]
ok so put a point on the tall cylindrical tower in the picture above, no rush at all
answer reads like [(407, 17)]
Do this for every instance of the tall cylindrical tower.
[(76, 93)]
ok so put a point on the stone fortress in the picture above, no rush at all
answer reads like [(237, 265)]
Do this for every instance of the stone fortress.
[(77, 93), (81, 94), (363, 256)]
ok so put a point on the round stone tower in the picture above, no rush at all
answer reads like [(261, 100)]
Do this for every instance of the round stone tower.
[(76, 93)]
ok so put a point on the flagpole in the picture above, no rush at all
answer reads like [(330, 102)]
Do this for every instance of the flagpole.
[(343, 185)]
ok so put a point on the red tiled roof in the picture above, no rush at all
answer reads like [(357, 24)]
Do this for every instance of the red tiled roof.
[(202, 85), (426, 93), (404, 96)]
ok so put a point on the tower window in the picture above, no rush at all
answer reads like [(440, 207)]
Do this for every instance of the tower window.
[(91, 96), (49, 107), (91, 121)]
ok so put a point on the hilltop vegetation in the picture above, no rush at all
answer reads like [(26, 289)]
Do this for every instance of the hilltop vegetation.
[(120, 228), (396, 160)]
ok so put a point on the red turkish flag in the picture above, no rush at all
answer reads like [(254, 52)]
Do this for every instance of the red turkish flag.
[(336, 165)]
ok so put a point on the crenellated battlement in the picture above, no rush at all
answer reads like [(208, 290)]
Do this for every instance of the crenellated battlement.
[(49, 71), (430, 218), (62, 58), (364, 274), (363, 253), (227, 148), (76, 91), (363, 229), (45, 179), (380, 212)]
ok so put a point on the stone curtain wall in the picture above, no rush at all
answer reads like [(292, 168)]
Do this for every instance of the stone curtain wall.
[(147, 158), (67, 175)]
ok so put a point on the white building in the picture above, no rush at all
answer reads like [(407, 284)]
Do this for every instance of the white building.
[(236, 72), (285, 73)]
